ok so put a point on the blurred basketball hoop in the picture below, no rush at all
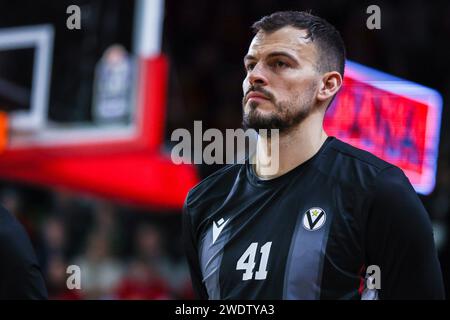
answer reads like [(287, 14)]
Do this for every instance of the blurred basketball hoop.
[(84, 122)]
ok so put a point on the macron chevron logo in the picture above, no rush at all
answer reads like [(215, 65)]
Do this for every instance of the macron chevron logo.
[(218, 227)]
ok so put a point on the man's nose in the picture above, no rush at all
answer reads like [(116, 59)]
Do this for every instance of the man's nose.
[(257, 76)]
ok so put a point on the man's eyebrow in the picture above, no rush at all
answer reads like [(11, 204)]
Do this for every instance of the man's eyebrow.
[(281, 53), (271, 55), (249, 57)]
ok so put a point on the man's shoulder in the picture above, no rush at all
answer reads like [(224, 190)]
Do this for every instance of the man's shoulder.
[(12, 233), (8, 224), (215, 186), (353, 166), (353, 154), (20, 275)]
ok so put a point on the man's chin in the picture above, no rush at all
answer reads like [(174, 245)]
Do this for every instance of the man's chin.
[(261, 105), (259, 121)]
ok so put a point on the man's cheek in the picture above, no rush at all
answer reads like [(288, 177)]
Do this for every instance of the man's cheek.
[(245, 86)]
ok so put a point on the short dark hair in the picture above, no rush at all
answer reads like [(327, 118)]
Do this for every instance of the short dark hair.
[(328, 41)]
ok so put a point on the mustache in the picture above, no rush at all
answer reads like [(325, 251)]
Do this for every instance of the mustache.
[(259, 89)]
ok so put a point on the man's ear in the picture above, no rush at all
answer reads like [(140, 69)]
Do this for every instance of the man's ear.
[(329, 85)]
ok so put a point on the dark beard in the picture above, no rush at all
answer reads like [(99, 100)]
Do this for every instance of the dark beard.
[(284, 120)]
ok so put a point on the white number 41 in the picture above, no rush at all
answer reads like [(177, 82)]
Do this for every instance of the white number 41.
[(247, 262)]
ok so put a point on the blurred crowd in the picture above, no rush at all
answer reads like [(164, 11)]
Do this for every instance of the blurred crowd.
[(122, 253)]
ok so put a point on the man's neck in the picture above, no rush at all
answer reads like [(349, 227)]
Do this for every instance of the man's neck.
[(295, 147)]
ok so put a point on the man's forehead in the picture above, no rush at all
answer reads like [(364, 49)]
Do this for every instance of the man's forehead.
[(286, 38)]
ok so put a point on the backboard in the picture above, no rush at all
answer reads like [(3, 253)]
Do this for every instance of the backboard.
[(53, 100), (86, 106)]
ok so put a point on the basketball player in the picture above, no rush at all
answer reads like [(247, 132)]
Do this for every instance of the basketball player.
[(330, 213)]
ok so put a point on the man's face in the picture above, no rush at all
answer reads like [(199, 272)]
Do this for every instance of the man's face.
[(282, 79)]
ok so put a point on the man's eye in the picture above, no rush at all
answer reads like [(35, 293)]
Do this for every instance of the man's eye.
[(281, 64), (250, 66)]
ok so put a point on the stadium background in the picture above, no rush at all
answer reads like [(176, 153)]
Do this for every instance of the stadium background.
[(128, 251)]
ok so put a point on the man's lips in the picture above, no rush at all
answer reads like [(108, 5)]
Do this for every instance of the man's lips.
[(256, 95)]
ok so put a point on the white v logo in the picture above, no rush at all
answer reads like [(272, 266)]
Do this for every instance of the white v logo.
[(218, 227)]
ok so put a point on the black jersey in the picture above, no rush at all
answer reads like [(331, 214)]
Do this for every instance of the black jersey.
[(312, 232), (20, 274)]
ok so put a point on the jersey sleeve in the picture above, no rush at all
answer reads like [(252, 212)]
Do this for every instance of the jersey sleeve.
[(190, 248), (20, 274), (400, 240)]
